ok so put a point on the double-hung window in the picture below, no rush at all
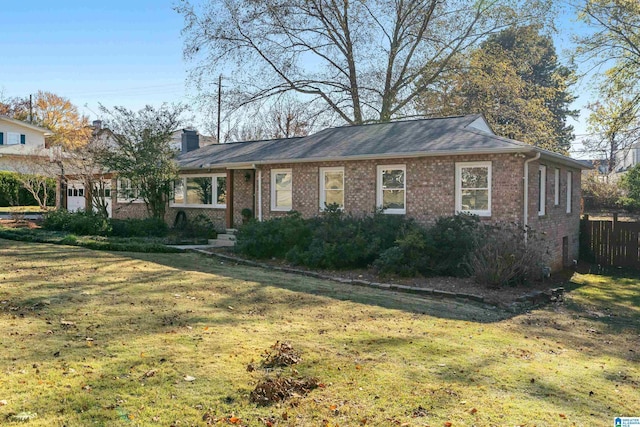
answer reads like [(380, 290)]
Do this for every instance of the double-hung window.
[(473, 188), (542, 190), (128, 191), (392, 189), (281, 190), (201, 191), (13, 138), (331, 187)]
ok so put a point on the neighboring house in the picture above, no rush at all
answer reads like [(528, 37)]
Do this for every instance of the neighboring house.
[(627, 158), (78, 195), (423, 169), (600, 166), (22, 146)]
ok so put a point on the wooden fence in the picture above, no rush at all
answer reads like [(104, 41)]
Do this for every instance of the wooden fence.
[(610, 243)]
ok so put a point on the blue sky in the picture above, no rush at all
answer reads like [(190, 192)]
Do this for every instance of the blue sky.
[(114, 52), (118, 53)]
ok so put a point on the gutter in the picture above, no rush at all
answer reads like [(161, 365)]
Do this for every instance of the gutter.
[(526, 194), (252, 165)]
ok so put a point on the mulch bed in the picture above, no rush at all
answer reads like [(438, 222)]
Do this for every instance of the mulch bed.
[(503, 297)]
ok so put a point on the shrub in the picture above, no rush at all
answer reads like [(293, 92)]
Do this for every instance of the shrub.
[(505, 260), (332, 240), (81, 222), (407, 258), (449, 242), (273, 238), (335, 243), (200, 226), (442, 249), (147, 227)]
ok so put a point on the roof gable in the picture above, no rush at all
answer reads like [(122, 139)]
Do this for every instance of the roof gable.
[(25, 125)]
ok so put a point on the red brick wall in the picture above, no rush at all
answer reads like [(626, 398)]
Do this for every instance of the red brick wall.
[(556, 223), (243, 192), (430, 186)]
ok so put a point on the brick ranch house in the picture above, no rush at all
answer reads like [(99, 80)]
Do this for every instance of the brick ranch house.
[(423, 169)]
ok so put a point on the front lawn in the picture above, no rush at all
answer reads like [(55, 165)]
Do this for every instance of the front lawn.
[(99, 338)]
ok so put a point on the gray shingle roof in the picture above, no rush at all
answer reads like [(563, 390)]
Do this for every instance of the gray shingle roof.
[(425, 137)]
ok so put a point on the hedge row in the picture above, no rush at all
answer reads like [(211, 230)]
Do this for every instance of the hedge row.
[(459, 245)]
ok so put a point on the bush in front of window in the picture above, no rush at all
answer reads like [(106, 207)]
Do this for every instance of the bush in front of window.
[(133, 227), (81, 223), (200, 226), (440, 250), (333, 240), (273, 238)]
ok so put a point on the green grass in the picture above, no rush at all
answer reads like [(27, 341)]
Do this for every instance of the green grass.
[(384, 358)]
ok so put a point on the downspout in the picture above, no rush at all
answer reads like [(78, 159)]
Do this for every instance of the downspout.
[(526, 194), (260, 195)]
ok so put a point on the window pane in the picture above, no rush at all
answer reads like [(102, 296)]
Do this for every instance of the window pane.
[(393, 199), (221, 198), (475, 200), (199, 191), (13, 138), (334, 197), (283, 181), (178, 192), (393, 178), (333, 180), (475, 177), (283, 198)]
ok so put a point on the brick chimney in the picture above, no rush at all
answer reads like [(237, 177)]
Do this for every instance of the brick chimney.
[(190, 140)]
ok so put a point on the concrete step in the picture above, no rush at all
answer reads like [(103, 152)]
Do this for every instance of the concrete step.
[(221, 243), (231, 237), (231, 231)]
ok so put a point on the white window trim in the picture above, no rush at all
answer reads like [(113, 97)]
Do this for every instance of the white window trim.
[(13, 134), (214, 186), (274, 173), (459, 167), (323, 171), (379, 189), (569, 190), (556, 189), (542, 188), (120, 199)]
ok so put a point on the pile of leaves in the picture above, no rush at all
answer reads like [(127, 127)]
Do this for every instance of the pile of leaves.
[(273, 390), (278, 355)]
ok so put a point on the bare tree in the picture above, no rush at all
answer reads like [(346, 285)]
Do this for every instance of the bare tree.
[(37, 174), (614, 127), (360, 60)]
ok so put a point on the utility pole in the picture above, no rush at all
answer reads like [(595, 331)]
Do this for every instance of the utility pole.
[(219, 104), (30, 108)]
